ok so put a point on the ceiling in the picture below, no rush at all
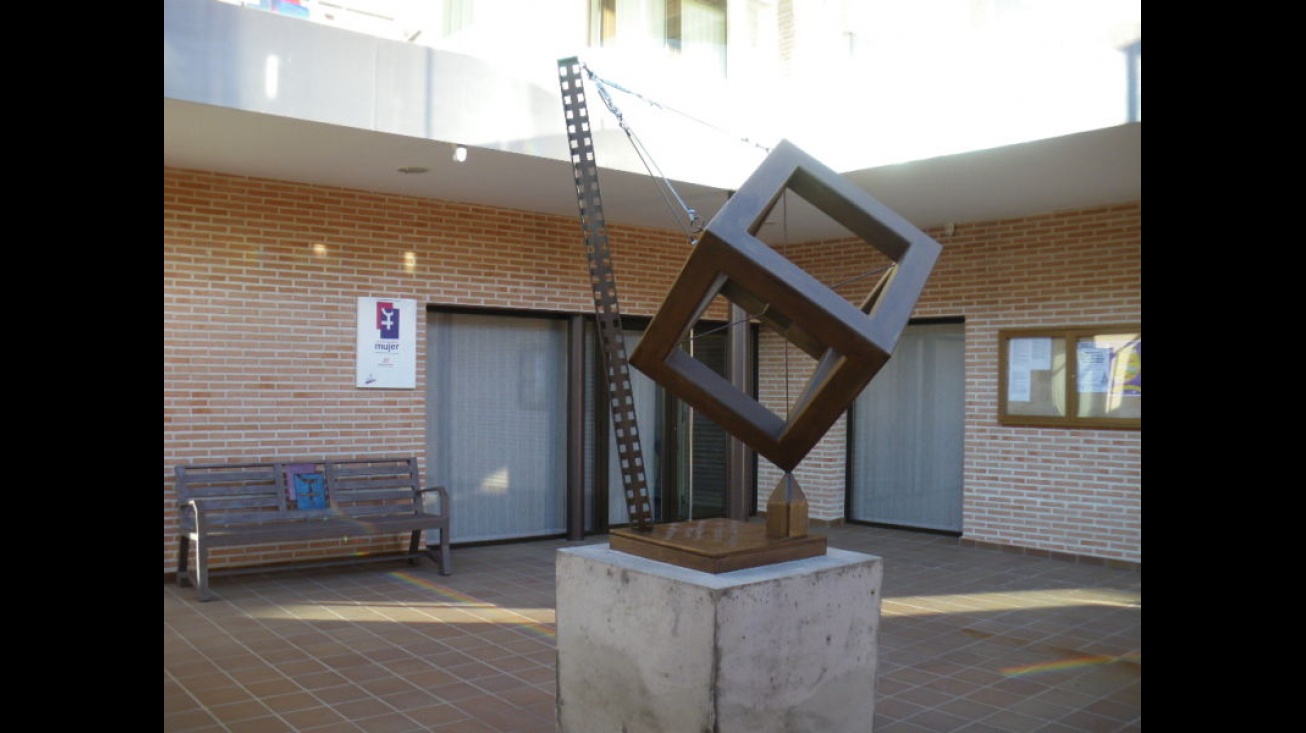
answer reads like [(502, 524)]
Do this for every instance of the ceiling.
[(1075, 171)]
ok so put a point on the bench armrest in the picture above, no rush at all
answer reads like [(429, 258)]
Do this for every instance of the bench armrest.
[(192, 514), (439, 491)]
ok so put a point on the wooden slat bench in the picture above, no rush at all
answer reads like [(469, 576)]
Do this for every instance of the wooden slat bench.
[(236, 504)]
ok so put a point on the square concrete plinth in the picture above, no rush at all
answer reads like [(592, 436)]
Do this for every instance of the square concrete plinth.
[(649, 647)]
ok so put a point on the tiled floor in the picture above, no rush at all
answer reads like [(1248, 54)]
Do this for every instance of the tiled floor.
[(972, 640)]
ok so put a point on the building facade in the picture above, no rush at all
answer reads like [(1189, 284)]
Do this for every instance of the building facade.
[(262, 278)]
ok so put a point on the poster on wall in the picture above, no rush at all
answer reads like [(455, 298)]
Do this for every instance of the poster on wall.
[(387, 343)]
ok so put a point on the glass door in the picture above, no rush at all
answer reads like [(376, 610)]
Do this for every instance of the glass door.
[(703, 494), (906, 434), (685, 454), (496, 423)]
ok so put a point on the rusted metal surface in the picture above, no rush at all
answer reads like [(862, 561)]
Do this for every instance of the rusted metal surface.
[(850, 343)]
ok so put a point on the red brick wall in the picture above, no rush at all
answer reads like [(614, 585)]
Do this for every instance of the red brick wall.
[(261, 280), (1053, 490)]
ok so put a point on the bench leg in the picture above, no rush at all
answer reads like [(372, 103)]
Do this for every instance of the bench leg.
[(183, 557), (446, 565), (414, 547), (202, 570), (444, 562)]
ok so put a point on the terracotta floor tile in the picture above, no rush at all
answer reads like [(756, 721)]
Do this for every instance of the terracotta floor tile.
[(972, 640)]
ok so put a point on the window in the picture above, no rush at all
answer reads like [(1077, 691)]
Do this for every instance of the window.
[(1089, 376), (685, 452), (499, 439), (1134, 83), (692, 29)]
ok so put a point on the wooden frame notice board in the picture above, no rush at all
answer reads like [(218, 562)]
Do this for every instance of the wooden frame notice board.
[(1075, 376)]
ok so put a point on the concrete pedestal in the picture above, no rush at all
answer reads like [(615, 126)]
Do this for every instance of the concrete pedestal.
[(649, 647)]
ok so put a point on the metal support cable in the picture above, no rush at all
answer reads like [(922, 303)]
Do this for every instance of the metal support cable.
[(653, 103), (695, 223)]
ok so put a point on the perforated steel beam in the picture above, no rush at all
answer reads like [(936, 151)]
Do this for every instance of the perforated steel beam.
[(621, 398)]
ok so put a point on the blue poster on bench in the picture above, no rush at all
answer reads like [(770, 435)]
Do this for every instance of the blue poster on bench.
[(306, 486)]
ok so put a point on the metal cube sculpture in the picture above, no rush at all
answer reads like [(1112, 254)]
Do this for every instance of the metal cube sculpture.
[(850, 344)]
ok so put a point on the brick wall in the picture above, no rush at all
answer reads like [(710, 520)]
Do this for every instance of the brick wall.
[(1050, 489), (261, 280), (1053, 490)]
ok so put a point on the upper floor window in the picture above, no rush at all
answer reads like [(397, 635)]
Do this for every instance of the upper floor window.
[(1134, 72), (693, 30)]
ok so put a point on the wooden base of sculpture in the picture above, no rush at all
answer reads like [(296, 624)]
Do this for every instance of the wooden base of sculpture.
[(715, 545)]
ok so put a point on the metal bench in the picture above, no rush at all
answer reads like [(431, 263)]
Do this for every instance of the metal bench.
[(236, 504)]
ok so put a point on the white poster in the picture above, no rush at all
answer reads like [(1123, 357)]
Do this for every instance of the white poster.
[(1026, 355), (387, 343), (1094, 368)]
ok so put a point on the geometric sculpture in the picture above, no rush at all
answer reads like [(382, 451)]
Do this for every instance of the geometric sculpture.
[(850, 344)]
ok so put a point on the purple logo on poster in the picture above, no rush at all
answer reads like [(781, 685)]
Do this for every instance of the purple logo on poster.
[(387, 319)]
